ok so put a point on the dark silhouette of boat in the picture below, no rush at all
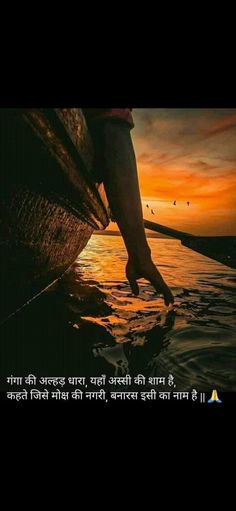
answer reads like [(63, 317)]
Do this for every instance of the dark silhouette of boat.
[(49, 202), (219, 248)]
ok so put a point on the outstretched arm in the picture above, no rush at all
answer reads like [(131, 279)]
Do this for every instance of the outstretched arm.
[(119, 173)]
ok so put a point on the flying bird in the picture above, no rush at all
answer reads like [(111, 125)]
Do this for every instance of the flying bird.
[(174, 203)]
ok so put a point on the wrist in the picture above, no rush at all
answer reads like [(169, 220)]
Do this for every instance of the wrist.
[(140, 255)]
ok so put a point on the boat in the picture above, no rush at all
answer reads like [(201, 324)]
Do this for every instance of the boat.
[(50, 203), (219, 248)]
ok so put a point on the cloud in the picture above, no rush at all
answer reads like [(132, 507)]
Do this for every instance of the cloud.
[(201, 165), (189, 155), (221, 126)]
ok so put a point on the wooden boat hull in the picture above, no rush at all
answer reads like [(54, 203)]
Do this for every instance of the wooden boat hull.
[(49, 205)]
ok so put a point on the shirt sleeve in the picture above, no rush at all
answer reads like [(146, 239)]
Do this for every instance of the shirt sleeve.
[(93, 115)]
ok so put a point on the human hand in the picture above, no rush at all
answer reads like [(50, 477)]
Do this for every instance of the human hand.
[(146, 269)]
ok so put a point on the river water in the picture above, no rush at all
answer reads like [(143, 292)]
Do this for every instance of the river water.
[(90, 324)]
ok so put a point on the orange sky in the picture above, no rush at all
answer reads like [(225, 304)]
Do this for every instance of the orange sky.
[(187, 155)]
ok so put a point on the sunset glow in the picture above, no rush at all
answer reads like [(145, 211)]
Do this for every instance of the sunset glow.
[(187, 155)]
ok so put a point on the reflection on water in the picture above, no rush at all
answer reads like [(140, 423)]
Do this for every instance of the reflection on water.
[(90, 324)]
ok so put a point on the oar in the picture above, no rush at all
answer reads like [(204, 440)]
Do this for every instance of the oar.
[(220, 248)]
